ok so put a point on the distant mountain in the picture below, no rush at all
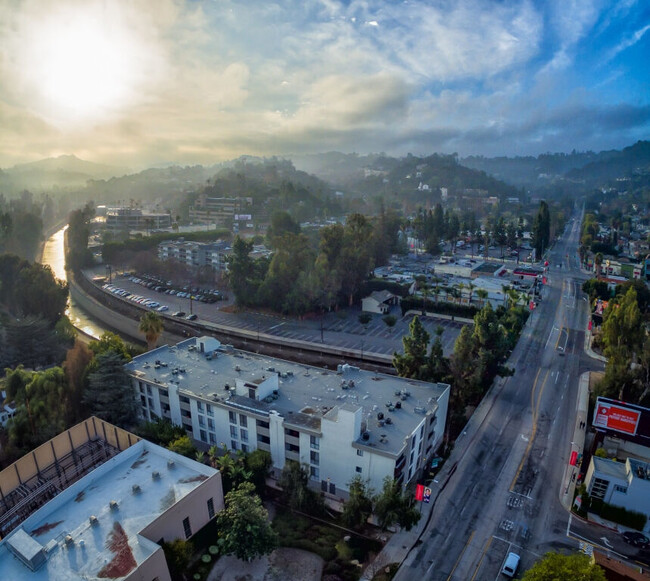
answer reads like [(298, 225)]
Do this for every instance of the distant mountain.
[(588, 167), (64, 172)]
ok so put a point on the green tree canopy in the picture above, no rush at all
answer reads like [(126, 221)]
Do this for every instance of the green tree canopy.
[(393, 506), (151, 325), (358, 507), (556, 567), (110, 394), (412, 363), (244, 529), (294, 481)]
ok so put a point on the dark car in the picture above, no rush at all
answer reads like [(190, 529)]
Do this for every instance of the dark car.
[(191, 317), (636, 539), (179, 314)]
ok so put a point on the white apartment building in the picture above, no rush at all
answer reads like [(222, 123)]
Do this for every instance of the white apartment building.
[(196, 254), (340, 423)]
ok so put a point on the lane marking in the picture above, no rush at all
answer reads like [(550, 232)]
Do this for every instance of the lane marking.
[(478, 566), (461, 555)]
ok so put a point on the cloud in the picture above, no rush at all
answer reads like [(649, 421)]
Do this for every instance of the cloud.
[(628, 42)]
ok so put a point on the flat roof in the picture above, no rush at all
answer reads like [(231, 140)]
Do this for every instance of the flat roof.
[(305, 393), (94, 545), (610, 467)]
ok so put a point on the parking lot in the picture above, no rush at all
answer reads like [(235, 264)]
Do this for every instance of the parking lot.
[(342, 328)]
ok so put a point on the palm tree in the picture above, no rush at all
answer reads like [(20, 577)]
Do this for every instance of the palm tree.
[(460, 287), (482, 294), (200, 457), (213, 454), (471, 286), (151, 326), (598, 261)]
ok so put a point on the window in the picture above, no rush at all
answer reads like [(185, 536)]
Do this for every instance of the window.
[(359, 452), (163, 392), (184, 399), (291, 447), (143, 399), (186, 413), (244, 435), (243, 420), (621, 489), (233, 444), (232, 416), (188, 427), (211, 423), (314, 457), (263, 439), (233, 431), (323, 485), (199, 406), (314, 472), (314, 442), (204, 436), (210, 508), (150, 402), (187, 528), (293, 433), (212, 438), (209, 410), (141, 387), (332, 488), (148, 390), (420, 448), (244, 448), (201, 421), (422, 431), (599, 488), (262, 424), (359, 469)]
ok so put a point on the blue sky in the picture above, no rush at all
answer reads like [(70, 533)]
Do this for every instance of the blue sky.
[(141, 82)]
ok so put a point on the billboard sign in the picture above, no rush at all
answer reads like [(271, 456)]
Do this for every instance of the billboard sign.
[(427, 494), (617, 417), (419, 492)]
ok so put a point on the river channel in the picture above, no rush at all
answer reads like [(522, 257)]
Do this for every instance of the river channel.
[(54, 257)]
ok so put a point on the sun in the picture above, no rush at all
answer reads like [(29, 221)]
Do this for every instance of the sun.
[(84, 65)]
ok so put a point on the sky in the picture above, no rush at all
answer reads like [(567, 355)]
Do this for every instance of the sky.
[(142, 82)]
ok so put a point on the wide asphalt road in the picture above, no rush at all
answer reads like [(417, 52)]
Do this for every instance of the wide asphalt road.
[(502, 485)]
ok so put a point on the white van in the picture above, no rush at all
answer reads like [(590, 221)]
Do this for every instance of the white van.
[(510, 565)]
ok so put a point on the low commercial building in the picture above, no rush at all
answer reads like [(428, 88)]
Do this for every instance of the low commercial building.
[(129, 219), (91, 510), (625, 484), (379, 302), (340, 423)]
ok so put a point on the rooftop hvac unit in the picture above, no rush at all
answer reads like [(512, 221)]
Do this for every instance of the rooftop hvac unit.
[(365, 436), (380, 416), (135, 489), (419, 409), (398, 405), (93, 520), (113, 505), (69, 540), (389, 421), (170, 463), (155, 475)]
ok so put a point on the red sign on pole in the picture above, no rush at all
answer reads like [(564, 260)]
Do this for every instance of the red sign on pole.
[(574, 458), (419, 492), (589, 326)]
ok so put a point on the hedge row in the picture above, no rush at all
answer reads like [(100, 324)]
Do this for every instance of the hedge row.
[(440, 307), (622, 516)]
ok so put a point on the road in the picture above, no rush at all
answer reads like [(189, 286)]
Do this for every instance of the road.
[(508, 465)]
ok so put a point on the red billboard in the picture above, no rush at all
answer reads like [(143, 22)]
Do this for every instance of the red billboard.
[(616, 417)]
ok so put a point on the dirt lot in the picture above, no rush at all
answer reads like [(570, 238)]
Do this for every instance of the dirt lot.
[(282, 565)]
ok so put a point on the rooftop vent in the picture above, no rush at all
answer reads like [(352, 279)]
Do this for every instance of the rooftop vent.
[(380, 416), (418, 409), (155, 475), (398, 405), (136, 489), (69, 540), (389, 421), (93, 520), (365, 436), (170, 463), (113, 505)]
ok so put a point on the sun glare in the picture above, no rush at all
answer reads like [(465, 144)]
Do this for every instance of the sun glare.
[(83, 68)]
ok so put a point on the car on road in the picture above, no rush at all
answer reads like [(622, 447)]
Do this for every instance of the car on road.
[(191, 317), (179, 314), (510, 565), (635, 538)]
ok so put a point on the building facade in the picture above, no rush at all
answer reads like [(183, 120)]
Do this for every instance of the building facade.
[(196, 254), (340, 424), (128, 219)]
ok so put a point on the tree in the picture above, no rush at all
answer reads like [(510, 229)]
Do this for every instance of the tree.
[(183, 446), (482, 294), (294, 481), (355, 261), (244, 530), (541, 229), (358, 508), (392, 506), (151, 325), (365, 318), (110, 342), (178, 554), (557, 566), (389, 320), (109, 395), (412, 362), (258, 463), (75, 366)]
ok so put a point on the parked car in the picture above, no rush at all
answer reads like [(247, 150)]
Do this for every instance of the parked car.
[(510, 565), (635, 538), (192, 317), (179, 314)]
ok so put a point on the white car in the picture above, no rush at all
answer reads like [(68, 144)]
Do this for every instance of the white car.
[(510, 565), (162, 308)]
